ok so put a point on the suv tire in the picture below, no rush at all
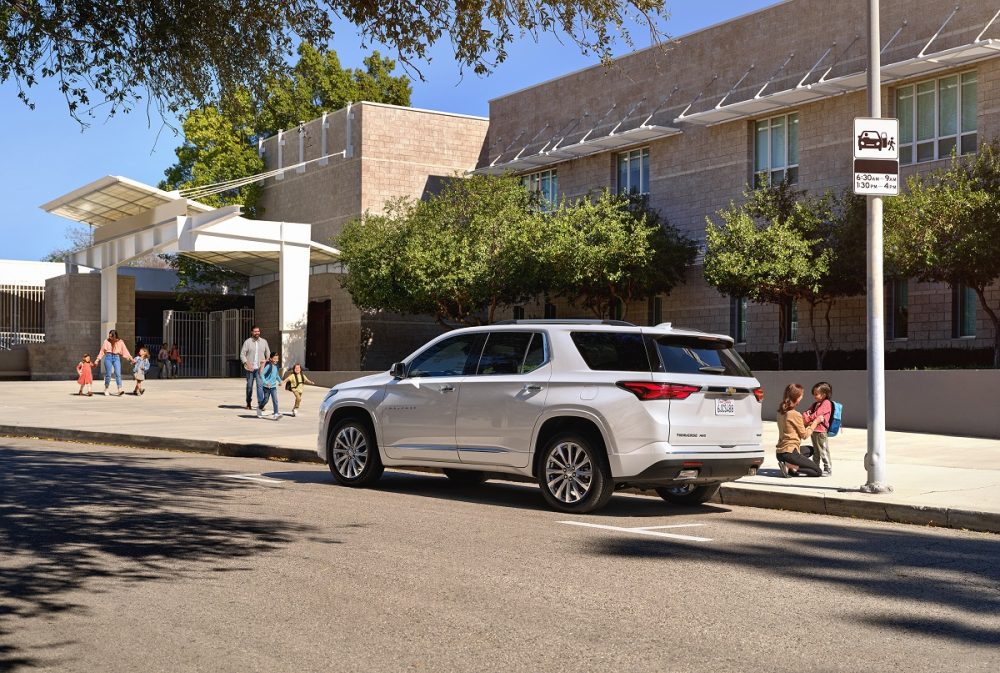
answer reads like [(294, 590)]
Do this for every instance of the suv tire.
[(353, 454), (465, 477), (573, 474), (688, 494)]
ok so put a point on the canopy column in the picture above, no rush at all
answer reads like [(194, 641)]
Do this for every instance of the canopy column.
[(293, 293), (109, 299)]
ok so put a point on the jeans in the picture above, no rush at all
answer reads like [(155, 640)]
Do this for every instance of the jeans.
[(273, 394), (112, 361), (252, 377)]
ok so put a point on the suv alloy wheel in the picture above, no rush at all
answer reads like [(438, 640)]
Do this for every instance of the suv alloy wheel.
[(354, 459)]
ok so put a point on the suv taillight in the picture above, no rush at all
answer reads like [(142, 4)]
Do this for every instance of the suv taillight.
[(646, 390), (759, 394)]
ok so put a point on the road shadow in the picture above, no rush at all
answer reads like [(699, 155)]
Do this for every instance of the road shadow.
[(952, 572), (69, 521), (500, 494)]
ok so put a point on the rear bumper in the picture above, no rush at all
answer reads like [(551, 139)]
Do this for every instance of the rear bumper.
[(668, 471), (660, 463)]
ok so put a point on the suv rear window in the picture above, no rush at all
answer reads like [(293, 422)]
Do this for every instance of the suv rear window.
[(700, 355), (612, 351)]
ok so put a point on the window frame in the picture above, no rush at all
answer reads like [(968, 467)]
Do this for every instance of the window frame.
[(963, 310), (791, 322), (642, 156), (771, 168), (961, 133), (533, 183), (738, 319), (477, 339), (533, 334), (892, 309)]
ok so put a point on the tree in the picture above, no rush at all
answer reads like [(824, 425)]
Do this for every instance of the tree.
[(841, 225), (946, 228), (766, 249), (78, 237), (615, 248), (477, 246), (177, 55)]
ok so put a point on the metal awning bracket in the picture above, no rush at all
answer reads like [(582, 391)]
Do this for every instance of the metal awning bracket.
[(934, 37), (698, 97), (776, 73), (735, 86), (979, 38)]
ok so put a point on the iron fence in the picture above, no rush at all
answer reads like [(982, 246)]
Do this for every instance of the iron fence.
[(209, 343), (22, 315)]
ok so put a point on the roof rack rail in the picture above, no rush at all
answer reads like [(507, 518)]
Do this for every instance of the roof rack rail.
[(566, 321)]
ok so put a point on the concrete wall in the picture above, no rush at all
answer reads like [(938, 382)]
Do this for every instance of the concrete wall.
[(947, 402), (73, 323)]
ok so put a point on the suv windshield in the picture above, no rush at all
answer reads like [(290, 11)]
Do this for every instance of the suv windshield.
[(699, 355)]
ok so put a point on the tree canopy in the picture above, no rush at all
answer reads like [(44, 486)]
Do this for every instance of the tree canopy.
[(768, 250), (107, 56), (946, 228), (485, 243)]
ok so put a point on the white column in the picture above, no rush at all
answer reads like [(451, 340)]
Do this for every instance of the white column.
[(293, 299), (109, 300)]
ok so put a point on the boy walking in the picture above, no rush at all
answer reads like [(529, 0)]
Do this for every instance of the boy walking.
[(270, 378)]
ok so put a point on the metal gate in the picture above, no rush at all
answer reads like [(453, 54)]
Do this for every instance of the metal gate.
[(22, 315), (209, 343)]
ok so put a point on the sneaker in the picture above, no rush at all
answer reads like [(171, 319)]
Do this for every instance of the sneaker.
[(784, 469), (106, 393), (276, 416), (827, 472), (248, 406), (295, 412), (260, 414)]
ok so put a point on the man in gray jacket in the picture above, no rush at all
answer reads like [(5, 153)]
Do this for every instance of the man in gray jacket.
[(253, 355)]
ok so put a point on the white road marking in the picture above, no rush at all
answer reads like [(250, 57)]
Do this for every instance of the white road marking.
[(643, 531), (675, 525), (255, 477)]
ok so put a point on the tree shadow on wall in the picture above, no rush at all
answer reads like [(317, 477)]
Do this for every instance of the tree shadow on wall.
[(68, 521)]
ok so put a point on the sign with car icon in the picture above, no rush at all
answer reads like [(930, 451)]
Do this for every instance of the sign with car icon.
[(876, 156)]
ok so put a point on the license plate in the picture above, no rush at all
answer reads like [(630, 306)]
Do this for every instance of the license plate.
[(725, 407)]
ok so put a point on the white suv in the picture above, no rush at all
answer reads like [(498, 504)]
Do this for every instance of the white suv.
[(583, 407)]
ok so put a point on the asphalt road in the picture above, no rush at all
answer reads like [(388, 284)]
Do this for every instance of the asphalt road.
[(116, 559)]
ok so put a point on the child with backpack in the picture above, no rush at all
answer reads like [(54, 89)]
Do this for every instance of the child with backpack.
[(270, 376), (822, 409)]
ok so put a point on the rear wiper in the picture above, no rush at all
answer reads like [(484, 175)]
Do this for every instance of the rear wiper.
[(712, 369)]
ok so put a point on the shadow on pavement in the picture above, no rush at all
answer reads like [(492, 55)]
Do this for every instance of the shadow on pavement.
[(959, 574), (71, 520), (499, 494)]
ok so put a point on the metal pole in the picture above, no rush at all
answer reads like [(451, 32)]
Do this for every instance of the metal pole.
[(875, 458)]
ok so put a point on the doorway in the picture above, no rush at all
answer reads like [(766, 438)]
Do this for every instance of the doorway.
[(318, 336)]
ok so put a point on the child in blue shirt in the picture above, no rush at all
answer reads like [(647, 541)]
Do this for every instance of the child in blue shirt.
[(139, 368), (270, 377)]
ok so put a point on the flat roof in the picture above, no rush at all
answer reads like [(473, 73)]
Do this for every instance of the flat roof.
[(113, 198)]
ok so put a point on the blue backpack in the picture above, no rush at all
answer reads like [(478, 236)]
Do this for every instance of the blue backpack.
[(837, 420)]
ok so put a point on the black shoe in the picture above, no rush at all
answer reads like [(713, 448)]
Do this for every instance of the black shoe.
[(248, 405)]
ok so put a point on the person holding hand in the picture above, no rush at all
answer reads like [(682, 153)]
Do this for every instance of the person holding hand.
[(113, 351)]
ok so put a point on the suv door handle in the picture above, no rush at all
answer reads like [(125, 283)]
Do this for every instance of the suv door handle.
[(447, 388), (532, 388)]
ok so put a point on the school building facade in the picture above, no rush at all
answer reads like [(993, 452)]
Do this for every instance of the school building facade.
[(690, 123)]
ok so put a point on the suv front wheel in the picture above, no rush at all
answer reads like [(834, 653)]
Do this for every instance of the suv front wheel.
[(573, 475), (354, 458)]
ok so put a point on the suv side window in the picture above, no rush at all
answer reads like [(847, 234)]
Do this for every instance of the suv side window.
[(535, 357), (700, 355), (613, 351), (446, 358), (505, 353)]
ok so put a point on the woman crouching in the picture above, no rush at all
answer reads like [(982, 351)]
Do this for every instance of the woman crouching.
[(791, 431)]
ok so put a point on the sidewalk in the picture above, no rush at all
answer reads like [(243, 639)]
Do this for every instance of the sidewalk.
[(931, 476)]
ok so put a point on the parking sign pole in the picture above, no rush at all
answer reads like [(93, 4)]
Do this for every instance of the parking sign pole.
[(875, 458)]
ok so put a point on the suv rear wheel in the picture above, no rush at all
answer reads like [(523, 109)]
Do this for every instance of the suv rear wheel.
[(688, 494), (354, 459), (573, 475)]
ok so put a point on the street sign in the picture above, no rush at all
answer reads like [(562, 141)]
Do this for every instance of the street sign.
[(876, 156)]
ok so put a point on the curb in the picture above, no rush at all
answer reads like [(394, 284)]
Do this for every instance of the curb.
[(731, 493)]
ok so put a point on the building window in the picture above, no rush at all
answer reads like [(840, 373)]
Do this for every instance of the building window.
[(654, 312), (738, 319), (898, 313), (615, 309), (550, 311), (633, 172), (518, 313), (791, 321), (937, 117), (546, 183), (963, 311), (776, 150)]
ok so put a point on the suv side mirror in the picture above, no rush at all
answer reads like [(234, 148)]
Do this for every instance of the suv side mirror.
[(397, 370)]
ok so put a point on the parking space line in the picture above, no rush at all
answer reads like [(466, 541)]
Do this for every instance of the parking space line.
[(641, 531), (674, 525), (255, 478)]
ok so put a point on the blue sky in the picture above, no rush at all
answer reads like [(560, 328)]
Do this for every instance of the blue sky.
[(47, 154)]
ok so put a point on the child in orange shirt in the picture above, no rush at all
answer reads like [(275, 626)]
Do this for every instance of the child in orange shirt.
[(85, 375)]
